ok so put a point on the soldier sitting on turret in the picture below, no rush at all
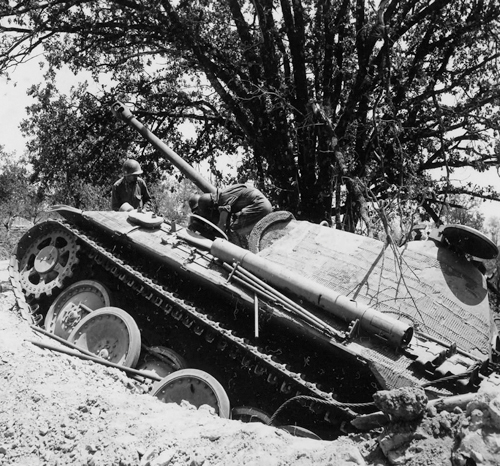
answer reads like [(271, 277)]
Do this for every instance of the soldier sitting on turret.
[(237, 207), (130, 192)]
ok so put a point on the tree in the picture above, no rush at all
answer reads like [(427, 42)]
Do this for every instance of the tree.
[(462, 210), (17, 197), (331, 103), (492, 227), (73, 155)]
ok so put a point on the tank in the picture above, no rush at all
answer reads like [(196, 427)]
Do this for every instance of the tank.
[(297, 325)]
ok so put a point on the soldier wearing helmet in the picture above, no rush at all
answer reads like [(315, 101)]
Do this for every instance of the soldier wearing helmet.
[(130, 192), (238, 207)]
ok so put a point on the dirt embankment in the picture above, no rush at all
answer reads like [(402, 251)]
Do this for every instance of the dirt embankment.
[(59, 410)]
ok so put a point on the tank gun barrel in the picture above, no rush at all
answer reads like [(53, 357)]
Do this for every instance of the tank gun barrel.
[(123, 113), (395, 332)]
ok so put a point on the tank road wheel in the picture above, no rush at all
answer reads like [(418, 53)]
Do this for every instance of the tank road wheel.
[(162, 361), (249, 414), (194, 386), (48, 260), (111, 334), (73, 304)]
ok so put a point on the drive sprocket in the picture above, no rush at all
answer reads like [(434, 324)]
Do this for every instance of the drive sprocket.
[(47, 261)]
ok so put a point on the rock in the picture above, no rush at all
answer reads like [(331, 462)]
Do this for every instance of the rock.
[(198, 459), (164, 458), (480, 434), (43, 429), (494, 411), (370, 421), (5, 286), (407, 403), (473, 450), (492, 440), (396, 436), (149, 455), (490, 386), (480, 402), (476, 419), (208, 410)]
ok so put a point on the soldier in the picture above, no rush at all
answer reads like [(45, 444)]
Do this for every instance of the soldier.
[(130, 192), (237, 207)]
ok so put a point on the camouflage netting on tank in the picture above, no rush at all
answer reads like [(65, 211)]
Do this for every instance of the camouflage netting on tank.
[(422, 284)]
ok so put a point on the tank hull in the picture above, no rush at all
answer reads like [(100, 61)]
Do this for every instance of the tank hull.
[(262, 349)]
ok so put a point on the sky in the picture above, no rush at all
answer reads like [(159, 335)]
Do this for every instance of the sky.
[(488, 178), (13, 107), (14, 102), (14, 99)]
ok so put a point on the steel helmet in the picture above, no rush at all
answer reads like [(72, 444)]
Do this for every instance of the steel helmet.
[(200, 203), (131, 167), (193, 201)]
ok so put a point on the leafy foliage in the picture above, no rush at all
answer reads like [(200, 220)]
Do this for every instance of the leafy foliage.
[(344, 104), (492, 227), (71, 146), (170, 198), (18, 199), (463, 210)]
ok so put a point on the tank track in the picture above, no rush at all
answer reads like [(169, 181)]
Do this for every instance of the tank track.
[(250, 357)]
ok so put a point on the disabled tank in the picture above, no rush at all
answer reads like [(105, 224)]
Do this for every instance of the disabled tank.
[(297, 326)]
